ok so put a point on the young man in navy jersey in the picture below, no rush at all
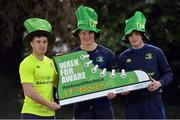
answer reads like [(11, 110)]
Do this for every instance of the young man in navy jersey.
[(87, 32), (146, 103)]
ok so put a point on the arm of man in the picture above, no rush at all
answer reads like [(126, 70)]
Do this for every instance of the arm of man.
[(164, 68), (165, 72), (30, 92)]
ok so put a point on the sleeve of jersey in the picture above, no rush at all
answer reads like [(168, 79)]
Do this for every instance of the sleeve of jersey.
[(26, 73), (55, 71), (165, 69)]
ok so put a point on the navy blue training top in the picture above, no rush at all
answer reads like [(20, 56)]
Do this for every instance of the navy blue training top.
[(105, 58), (150, 59)]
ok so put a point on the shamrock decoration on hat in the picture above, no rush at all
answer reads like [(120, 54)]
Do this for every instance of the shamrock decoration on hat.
[(37, 26), (136, 22), (86, 20)]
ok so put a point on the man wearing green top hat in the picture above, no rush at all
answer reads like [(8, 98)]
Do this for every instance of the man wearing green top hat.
[(87, 32), (37, 72), (146, 103)]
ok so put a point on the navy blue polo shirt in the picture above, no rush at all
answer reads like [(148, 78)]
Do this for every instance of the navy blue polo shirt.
[(150, 59)]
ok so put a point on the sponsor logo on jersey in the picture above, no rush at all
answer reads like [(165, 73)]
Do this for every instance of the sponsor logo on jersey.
[(128, 60), (148, 56)]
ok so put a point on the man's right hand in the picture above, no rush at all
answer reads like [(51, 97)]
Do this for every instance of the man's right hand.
[(30, 92), (111, 96), (53, 106), (125, 93)]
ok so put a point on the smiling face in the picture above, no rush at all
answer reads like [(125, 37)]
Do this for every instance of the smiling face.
[(39, 45), (87, 37), (135, 39)]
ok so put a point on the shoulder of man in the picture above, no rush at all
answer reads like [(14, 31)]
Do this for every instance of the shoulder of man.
[(76, 49), (155, 49), (107, 50), (28, 59), (152, 47), (127, 51)]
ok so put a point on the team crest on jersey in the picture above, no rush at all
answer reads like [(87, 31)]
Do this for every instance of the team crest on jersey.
[(37, 66), (128, 60), (151, 74), (100, 59), (148, 56)]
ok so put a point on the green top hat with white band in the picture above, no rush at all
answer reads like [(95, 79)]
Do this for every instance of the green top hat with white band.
[(136, 22), (37, 26), (86, 20)]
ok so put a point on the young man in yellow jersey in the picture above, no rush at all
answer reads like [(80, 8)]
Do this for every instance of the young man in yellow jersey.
[(37, 72)]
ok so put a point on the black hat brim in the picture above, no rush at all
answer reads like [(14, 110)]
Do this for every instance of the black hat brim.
[(28, 38), (76, 33)]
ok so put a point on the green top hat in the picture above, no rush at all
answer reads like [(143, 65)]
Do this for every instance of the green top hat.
[(86, 20), (37, 26), (136, 22)]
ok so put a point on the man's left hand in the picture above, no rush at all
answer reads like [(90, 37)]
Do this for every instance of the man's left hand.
[(154, 85), (111, 96)]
